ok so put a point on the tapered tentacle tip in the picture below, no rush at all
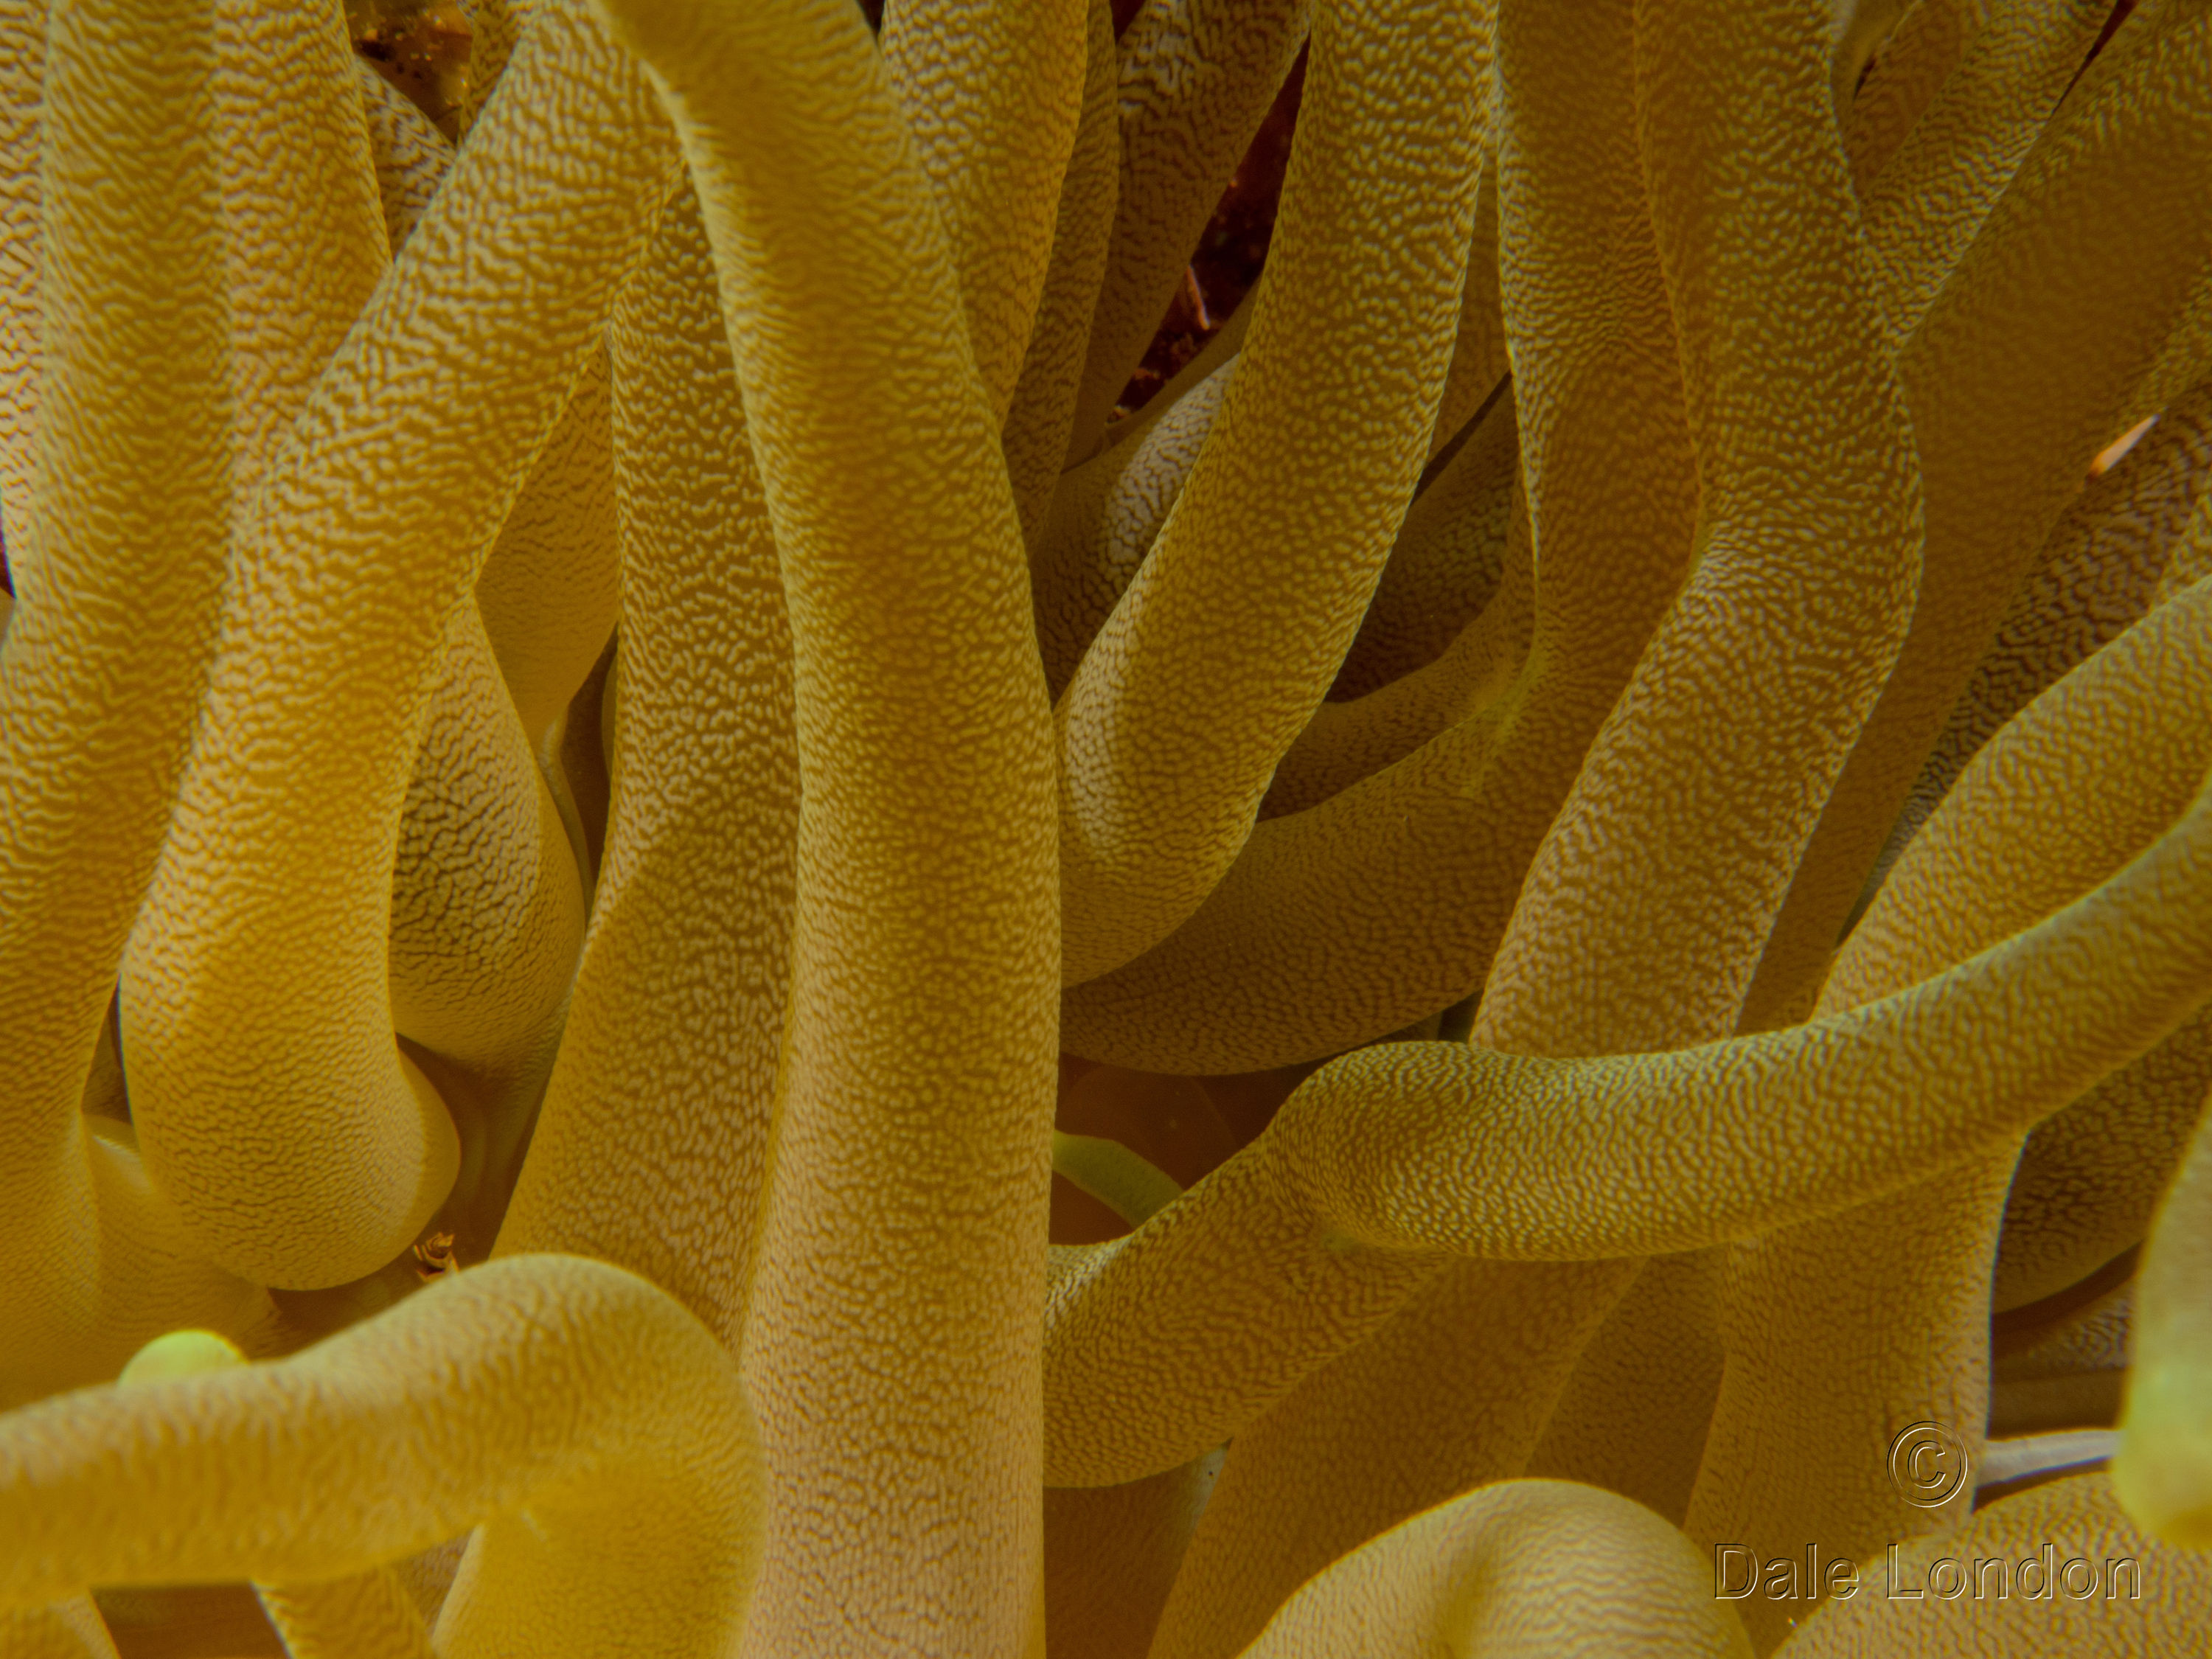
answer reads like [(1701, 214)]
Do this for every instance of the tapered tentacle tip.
[(181, 1354), (2164, 1470)]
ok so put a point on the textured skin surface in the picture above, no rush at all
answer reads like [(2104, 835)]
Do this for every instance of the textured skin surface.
[(104, 659), (1907, 69), (924, 926), (1041, 418), (1153, 805), (2123, 737), (411, 156), (2107, 562), (993, 94), (1465, 657), (1196, 79), (1603, 957), (621, 1516), (2089, 1179), (1536, 1159), (264, 772), (1447, 562), (22, 70), (1469, 1369), (1347, 743), (307, 227), (368, 1615), (1478, 355), (549, 591), (1291, 945), (1930, 197), (2132, 130), (667, 1074), (1105, 516), (2075, 1518), (1528, 1568)]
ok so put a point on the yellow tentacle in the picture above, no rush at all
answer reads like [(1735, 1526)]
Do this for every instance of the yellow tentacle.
[(364, 545)]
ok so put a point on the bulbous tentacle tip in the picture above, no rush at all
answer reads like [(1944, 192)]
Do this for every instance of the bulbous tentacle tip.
[(2163, 1473), (182, 1353)]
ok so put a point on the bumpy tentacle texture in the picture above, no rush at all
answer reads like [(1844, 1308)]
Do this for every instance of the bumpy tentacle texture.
[(398, 461), (667, 1070), (2129, 736), (1607, 800), (1142, 839), (22, 78), (1290, 945), (994, 108), (1042, 417), (103, 667), (2009, 404), (1528, 1567), (619, 1512), (1196, 78), (1604, 955), (924, 923), (2077, 1577)]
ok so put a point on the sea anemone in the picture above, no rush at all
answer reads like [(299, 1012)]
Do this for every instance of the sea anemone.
[(702, 957)]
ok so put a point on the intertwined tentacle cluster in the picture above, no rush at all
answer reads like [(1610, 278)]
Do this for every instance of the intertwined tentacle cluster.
[(701, 960)]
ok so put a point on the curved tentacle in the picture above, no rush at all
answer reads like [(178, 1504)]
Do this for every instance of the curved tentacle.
[(364, 545), (1103, 523), (1478, 360), (667, 1072), (1527, 1568), (1448, 560), (495, 29), (917, 1081), (620, 1516), (1304, 949), (1904, 73), (993, 106), (1347, 743), (1324, 1471), (2128, 737), (548, 592), (487, 915), (1924, 209), (1040, 419), (1413, 1148), (308, 235), (2090, 1179), (106, 656), (1642, 918), (2022, 370), (1153, 808), (1196, 79), (1633, 1415), (2102, 566)]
